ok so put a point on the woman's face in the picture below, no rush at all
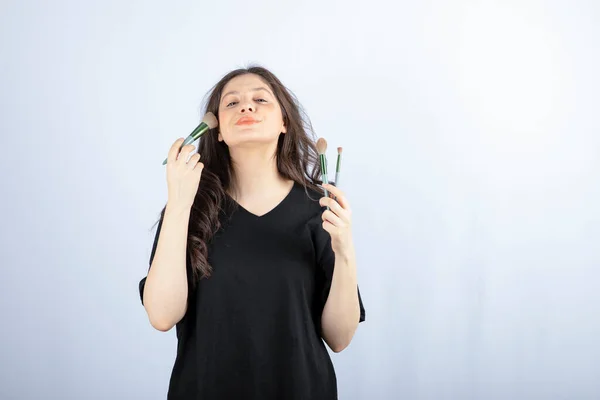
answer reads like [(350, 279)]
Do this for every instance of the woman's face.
[(249, 112)]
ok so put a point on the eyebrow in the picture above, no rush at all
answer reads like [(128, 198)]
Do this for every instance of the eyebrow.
[(252, 90)]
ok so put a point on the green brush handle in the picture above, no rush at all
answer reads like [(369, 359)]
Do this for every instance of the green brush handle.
[(324, 178), (196, 133), (337, 170)]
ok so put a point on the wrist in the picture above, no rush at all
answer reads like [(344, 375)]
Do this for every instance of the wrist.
[(177, 209), (346, 254)]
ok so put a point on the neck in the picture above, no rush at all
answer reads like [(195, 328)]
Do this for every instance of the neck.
[(255, 172)]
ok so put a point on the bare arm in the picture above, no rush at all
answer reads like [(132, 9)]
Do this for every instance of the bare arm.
[(166, 288), (341, 313)]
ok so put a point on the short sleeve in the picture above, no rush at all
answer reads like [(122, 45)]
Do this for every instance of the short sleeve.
[(325, 264), (153, 251)]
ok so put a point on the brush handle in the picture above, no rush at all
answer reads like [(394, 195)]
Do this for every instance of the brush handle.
[(324, 178), (338, 168), (187, 141), (196, 133)]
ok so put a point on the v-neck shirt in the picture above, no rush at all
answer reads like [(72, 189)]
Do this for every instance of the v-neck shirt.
[(252, 330)]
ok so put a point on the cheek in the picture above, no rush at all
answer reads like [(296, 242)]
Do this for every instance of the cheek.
[(275, 118), (224, 119), (222, 115)]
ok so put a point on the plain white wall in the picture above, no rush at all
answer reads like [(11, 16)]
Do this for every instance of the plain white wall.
[(471, 142)]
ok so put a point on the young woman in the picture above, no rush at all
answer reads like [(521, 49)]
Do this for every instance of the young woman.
[(247, 263)]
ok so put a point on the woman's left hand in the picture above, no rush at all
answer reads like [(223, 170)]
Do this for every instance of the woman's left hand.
[(338, 220)]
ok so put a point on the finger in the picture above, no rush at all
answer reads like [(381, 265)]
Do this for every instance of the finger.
[(340, 197), (174, 150), (334, 190), (335, 207), (328, 226), (332, 219), (199, 167), (184, 154), (330, 194), (193, 160)]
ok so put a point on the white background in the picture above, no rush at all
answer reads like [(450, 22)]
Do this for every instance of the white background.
[(471, 160)]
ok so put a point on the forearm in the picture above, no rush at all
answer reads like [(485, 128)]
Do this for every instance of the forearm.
[(166, 288), (341, 313)]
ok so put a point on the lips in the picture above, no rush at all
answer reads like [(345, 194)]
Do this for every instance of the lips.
[(246, 121)]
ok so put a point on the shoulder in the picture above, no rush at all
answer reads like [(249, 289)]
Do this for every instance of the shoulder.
[(306, 198), (305, 208)]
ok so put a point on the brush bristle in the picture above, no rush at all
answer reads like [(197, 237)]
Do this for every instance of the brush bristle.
[(210, 120), (321, 146), (339, 150)]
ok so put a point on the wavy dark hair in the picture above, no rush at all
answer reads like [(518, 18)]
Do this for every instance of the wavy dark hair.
[(296, 159)]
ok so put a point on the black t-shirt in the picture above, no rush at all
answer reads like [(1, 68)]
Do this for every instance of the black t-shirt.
[(252, 329)]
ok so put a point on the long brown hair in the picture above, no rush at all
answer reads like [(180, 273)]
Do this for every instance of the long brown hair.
[(296, 159)]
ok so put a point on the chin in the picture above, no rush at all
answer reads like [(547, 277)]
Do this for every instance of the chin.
[(249, 137)]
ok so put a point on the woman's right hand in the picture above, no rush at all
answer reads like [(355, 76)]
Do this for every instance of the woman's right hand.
[(183, 176)]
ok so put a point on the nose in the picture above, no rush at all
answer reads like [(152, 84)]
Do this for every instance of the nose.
[(247, 107)]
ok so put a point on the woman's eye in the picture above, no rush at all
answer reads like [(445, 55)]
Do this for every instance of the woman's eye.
[(261, 100), (230, 104)]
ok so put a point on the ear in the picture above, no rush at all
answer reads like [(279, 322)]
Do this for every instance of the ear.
[(219, 136), (284, 128)]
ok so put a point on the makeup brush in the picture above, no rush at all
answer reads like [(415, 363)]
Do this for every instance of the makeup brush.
[(321, 149), (208, 122), (337, 167)]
